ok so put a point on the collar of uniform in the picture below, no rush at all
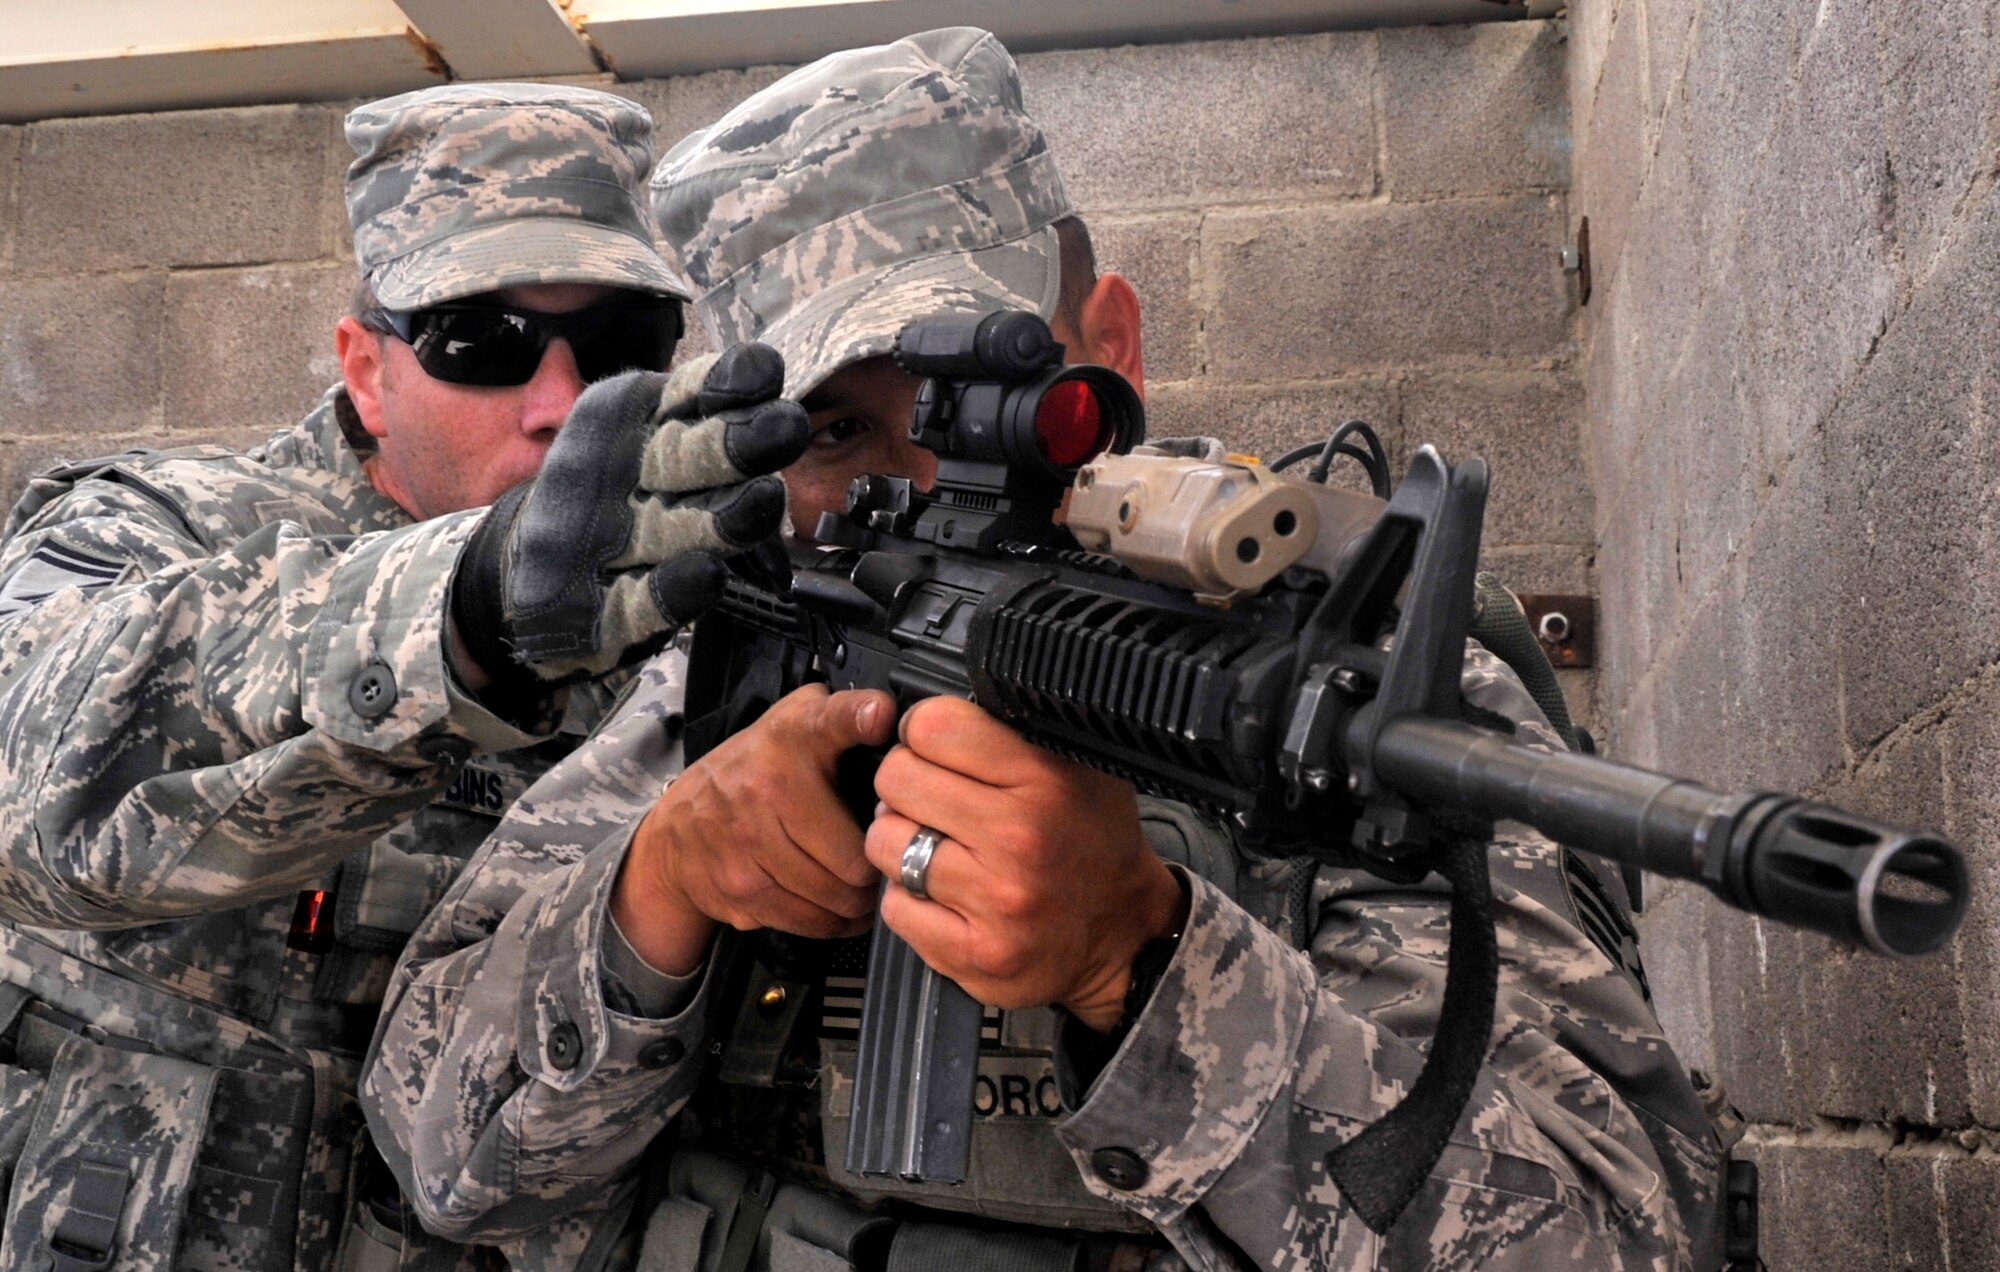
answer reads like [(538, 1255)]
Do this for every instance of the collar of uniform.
[(317, 448)]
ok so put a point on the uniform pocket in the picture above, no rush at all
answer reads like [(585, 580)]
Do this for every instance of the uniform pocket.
[(103, 1176)]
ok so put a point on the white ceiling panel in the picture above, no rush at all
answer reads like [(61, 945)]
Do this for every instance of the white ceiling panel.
[(353, 64), (101, 56), (641, 38), (501, 39)]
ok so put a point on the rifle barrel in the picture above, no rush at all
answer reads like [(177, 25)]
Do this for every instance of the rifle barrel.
[(1893, 890)]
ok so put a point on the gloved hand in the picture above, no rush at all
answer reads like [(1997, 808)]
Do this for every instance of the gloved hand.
[(620, 539)]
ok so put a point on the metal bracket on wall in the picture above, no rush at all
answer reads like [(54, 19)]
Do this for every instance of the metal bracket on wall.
[(1566, 624), (1576, 260)]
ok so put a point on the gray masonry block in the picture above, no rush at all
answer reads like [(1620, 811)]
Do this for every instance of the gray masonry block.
[(1913, 1205), (1474, 109), (1697, 681), (1970, 816), (211, 187), (1157, 255), (1970, 1237), (1738, 75), (1669, 40), (1685, 231), (1225, 120), (1321, 291), (1892, 1043), (1913, 467), (1706, 407), (1627, 713), (1625, 640), (1644, 595), (1589, 36), (1611, 147), (80, 357), (1787, 657), (10, 156), (1761, 990), (1673, 941), (1938, 65), (1665, 281), (1528, 426), (252, 347), (1541, 569), (1823, 1205), (1268, 421), (1815, 256), (1939, 1203), (1622, 380)]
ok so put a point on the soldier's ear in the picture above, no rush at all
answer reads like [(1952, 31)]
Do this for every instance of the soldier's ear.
[(1110, 330), (361, 366)]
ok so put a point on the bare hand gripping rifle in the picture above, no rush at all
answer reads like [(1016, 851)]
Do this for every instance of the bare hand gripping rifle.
[(1218, 633)]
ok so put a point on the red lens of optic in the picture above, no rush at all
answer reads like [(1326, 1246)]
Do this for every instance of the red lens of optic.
[(1069, 424)]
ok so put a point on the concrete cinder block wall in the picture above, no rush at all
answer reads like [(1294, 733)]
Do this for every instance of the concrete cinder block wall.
[(1791, 364), (1321, 227)]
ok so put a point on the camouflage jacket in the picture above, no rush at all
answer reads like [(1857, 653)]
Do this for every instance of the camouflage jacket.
[(514, 1100), (222, 686)]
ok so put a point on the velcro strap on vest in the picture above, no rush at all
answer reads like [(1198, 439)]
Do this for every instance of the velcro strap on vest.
[(86, 1235), (748, 1223), (921, 1247)]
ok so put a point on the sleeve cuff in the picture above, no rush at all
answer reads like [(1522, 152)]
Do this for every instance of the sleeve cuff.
[(566, 1031), (1205, 1062), (374, 670), (645, 990)]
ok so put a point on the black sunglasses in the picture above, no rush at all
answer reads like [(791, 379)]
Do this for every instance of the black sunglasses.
[(491, 346)]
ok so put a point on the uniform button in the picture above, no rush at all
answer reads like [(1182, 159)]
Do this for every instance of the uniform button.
[(373, 691), (565, 1046), (1119, 1167), (448, 751), (662, 1053)]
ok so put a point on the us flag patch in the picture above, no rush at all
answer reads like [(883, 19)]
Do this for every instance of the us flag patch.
[(49, 570), (840, 1011)]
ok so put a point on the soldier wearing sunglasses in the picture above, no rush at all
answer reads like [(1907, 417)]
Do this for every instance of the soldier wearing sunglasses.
[(260, 707)]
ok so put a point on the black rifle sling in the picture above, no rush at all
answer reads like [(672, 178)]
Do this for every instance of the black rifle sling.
[(1381, 1169)]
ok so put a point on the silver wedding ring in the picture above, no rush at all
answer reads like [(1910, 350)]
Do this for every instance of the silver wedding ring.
[(917, 861)]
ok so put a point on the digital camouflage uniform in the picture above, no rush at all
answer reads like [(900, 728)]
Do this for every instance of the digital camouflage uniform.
[(223, 692), (516, 1086)]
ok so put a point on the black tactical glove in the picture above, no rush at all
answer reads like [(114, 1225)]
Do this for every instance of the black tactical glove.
[(620, 539)]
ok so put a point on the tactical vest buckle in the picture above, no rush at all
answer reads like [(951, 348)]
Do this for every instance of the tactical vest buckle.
[(86, 1235)]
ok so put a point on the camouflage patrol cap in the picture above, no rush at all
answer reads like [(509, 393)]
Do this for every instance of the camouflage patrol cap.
[(869, 188), (470, 188)]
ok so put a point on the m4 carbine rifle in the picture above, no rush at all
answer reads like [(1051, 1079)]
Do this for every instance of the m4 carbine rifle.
[(1282, 654)]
